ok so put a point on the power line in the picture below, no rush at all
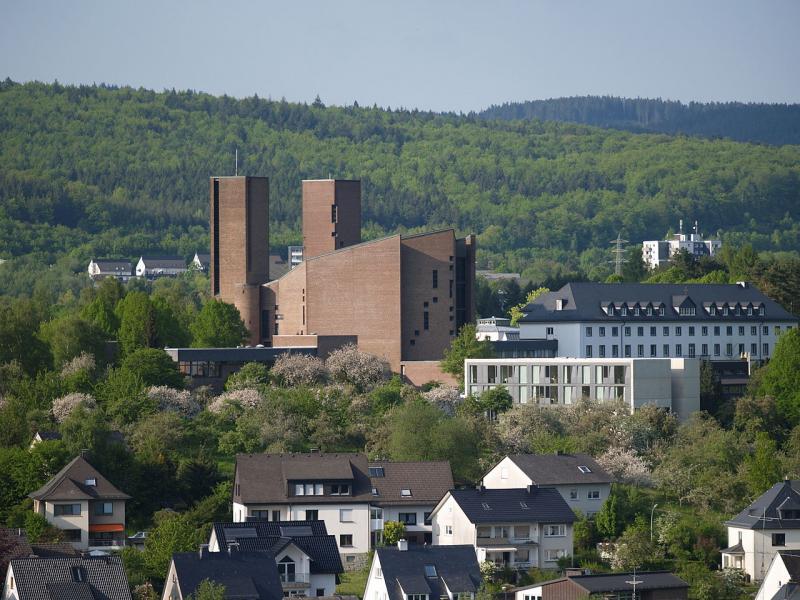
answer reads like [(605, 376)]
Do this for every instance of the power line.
[(619, 254)]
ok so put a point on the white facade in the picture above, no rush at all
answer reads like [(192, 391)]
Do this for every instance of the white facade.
[(143, 270), (496, 329), (585, 497), (776, 577), (518, 545), (10, 591), (77, 518), (349, 523), (414, 517), (376, 584), (564, 381), (760, 548), (723, 340), (657, 252)]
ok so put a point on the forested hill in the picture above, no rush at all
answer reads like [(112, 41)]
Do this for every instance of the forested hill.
[(766, 123), (100, 171)]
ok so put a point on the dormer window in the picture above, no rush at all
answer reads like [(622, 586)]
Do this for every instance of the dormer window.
[(91, 481), (636, 311), (340, 489), (430, 571), (405, 493), (686, 311), (624, 311), (559, 304), (649, 311), (584, 469), (749, 311), (724, 311), (375, 492), (660, 311), (308, 489), (712, 310), (761, 310), (610, 310)]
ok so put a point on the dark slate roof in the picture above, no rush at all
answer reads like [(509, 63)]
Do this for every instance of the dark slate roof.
[(540, 505), (558, 469), (788, 591), (54, 578), (18, 548), (69, 484), (265, 478), (164, 262), (618, 582), (272, 536), (791, 559), (48, 436), (456, 566), (427, 481), (737, 549), (244, 574), (109, 265), (55, 550), (764, 512), (583, 302), (204, 259)]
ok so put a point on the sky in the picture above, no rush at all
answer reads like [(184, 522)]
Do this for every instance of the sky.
[(436, 55)]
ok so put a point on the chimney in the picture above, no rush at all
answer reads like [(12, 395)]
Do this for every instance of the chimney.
[(531, 487), (233, 548), (203, 553), (402, 545), (480, 487)]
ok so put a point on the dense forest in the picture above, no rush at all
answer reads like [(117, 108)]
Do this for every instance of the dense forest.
[(95, 171), (754, 122)]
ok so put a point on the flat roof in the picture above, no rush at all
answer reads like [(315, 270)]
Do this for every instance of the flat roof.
[(565, 359), (265, 354)]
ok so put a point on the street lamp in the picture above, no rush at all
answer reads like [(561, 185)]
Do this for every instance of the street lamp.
[(651, 522)]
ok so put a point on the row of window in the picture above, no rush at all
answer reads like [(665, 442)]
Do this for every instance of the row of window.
[(687, 311), (318, 489), (536, 374), (691, 350), (665, 330), (68, 510)]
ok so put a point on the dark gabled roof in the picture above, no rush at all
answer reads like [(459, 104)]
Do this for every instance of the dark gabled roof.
[(109, 265), (163, 262), (791, 560), (69, 484), (48, 436), (54, 578), (456, 567), (618, 582), (18, 546), (203, 258), (244, 574), (265, 478), (427, 482), (788, 591), (272, 536), (764, 512), (584, 301), (55, 550), (558, 469), (540, 505), (736, 549)]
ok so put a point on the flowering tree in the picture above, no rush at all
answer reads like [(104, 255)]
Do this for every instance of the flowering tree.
[(84, 362), (445, 398), (626, 466), (299, 369), (241, 399), (63, 406), (170, 399), (349, 365)]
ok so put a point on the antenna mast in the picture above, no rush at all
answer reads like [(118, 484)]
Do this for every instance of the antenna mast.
[(619, 254), (237, 163)]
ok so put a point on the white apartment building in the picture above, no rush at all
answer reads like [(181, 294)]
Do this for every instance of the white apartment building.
[(658, 252), (518, 528), (673, 384), (496, 329), (583, 483), (770, 524), (640, 320)]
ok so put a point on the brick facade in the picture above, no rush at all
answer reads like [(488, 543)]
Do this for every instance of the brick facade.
[(331, 215)]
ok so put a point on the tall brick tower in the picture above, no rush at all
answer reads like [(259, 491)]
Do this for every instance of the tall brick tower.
[(331, 215), (240, 245)]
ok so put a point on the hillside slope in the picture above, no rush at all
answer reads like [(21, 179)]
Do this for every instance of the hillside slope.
[(775, 124), (93, 170)]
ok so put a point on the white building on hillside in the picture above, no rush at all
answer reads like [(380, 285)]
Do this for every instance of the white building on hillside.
[(673, 384), (658, 252)]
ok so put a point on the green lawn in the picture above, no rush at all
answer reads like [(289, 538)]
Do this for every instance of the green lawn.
[(352, 583)]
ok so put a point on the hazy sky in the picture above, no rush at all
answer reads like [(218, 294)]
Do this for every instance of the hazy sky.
[(434, 54)]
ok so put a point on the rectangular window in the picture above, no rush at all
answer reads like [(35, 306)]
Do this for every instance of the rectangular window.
[(602, 331), (741, 329), (640, 331), (554, 555), (549, 331), (573, 494), (103, 508), (588, 332), (753, 330), (276, 515), (309, 489), (593, 495), (704, 350), (728, 349), (588, 352), (345, 515), (765, 351), (716, 349), (408, 518), (435, 278), (340, 489), (678, 350), (627, 351), (716, 329), (66, 509), (691, 330), (653, 352), (666, 350), (640, 350), (451, 288), (666, 330), (334, 213), (425, 320), (741, 349), (615, 331), (653, 332), (601, 351), (615, 351), (704, 331), (754, 349), (729, 330), (312, 515), (346, 540), (765, 330), (678, 330), (691, 350), (491, 372), (72, 535), (778, 539), (559, 530), (628, 331), (448, 530), (299, 489)]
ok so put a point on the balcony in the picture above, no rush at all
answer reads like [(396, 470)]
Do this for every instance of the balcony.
[(295, 580), (376, 524), (106, 544), (487, 542)]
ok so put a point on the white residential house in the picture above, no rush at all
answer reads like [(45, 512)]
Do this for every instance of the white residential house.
[(672, 384), (151, 267), (583, 483), (83, 504), (407, 492), (518, 528), (659, 252), (334, 488), (771, 524), (496, 329), (307, 557), (100, 268), (782, 580), (716, 322), (67, 578), (200, 262), (410, 572)]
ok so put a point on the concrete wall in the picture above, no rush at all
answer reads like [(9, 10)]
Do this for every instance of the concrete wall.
[(80, 521), (685, 386), (420, 372)]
